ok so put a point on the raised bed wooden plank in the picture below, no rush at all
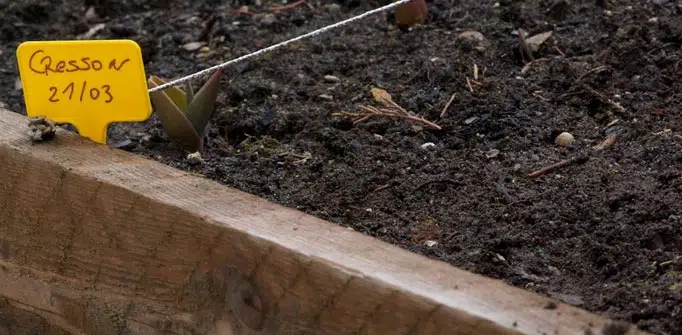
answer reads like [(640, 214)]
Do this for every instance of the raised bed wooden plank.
[(100, 241)]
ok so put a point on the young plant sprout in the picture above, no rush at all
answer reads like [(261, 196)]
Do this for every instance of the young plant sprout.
[(411, 13), (185, 114)]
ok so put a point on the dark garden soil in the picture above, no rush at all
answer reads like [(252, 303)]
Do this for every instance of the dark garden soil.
[(603, 233)]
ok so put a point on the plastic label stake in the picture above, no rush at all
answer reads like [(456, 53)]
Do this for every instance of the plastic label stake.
[(89, 83)]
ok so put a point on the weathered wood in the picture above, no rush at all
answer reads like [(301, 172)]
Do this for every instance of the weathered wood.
[(100, 241)]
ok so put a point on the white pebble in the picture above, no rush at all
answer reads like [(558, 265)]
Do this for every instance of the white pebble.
[(331, 79), (471, 120), (492, 153), (195, 158), (428, 145), (471, 35), (430, 243), (193, 46), (564, 139)]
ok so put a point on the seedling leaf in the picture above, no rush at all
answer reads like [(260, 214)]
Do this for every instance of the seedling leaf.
[(189, 92), (203, 103), (173, 120), (177, 95)]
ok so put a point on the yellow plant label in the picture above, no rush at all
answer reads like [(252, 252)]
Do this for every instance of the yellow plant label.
[(88, 84)]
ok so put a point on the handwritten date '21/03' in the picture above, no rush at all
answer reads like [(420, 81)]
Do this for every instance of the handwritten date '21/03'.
[(83, 91)]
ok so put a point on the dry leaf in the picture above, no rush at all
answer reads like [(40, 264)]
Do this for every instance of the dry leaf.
[(382, 97), (534, 42), (193, 46), (609, 141)]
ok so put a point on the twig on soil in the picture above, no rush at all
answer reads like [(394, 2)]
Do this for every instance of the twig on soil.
[(528, 65), (396, 112), (447, 105), (538, 95), (382, 187), (525, 50), (474, 82), (566, 162), (471, 88), (600, 96), (277, 9), (242, 10), (674, 260), (670, 261), (390, 110), (559, 51), (604, 99), (570, 91), (596, 70)]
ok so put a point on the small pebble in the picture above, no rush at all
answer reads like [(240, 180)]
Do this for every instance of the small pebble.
[(356, 145), (471, 120), (331, 79), (326, 96), (471, 35), (564, 139), (474, 37), (430, 243), (428, 145), (492, 153), (193, 46), (195, 158), (268, 19), (41, 129), (517, 167)]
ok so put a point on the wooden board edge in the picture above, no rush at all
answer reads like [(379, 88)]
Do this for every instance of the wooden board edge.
[(445, 293)]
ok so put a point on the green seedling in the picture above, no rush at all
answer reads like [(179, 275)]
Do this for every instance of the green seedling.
[(185, 114), (411, 13)]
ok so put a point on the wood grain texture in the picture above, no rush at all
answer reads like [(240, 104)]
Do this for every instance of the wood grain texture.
[(100, 241)]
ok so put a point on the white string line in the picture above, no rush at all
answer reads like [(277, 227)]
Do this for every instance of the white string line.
[(277, 46)]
